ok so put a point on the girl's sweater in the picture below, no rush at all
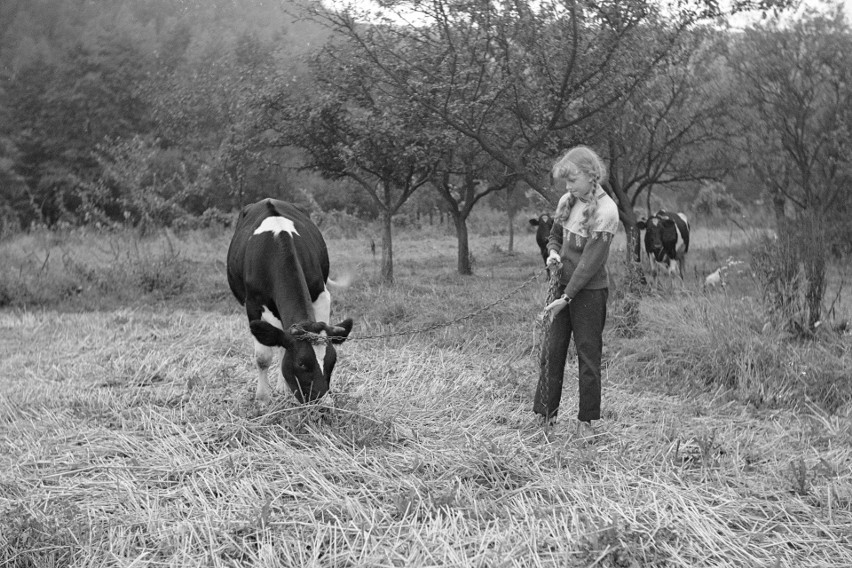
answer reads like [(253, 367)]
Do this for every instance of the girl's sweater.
[(583, 254)]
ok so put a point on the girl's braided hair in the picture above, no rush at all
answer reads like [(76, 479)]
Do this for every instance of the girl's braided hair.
[(587, 161)]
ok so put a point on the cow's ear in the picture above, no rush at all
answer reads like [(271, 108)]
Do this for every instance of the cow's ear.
[(268, 334), (534, 222), (341, 331), (641, 225)]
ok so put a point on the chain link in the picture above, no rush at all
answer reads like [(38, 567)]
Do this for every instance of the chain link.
[(316, 338), (545, 326)]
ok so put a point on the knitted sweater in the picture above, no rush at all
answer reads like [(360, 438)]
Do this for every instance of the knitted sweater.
[(583, 255)]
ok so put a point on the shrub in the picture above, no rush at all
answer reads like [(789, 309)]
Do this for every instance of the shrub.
[(721, 345), (713, 200), (790, 270), (166, 276)]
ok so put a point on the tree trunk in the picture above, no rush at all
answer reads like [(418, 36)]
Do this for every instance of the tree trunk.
[(463, 245), (511, 246), (779, 203), (387, 247), (814, 261), (633, 247)]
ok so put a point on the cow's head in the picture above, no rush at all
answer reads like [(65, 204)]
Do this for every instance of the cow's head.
[(309, 355), (543, 224), (660, 236)]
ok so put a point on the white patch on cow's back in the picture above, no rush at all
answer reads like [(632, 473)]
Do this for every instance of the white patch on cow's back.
[(319, 351), (267, 316), (322, 307), (275, 225)]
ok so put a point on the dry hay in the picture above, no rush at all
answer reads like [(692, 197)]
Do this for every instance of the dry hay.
[(130, 438)]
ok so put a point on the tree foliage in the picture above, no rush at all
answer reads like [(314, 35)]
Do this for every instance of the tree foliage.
[(797, 85)]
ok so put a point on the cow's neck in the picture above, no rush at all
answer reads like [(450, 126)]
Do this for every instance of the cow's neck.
[(293, 299)]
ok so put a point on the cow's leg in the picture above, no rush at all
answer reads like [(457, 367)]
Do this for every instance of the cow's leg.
[(267, 316), (681, 255), (263, 356)]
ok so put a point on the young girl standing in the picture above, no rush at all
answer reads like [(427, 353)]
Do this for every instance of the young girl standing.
[(586, 220)]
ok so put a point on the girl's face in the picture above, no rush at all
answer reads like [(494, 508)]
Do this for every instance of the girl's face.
[(579, 183)]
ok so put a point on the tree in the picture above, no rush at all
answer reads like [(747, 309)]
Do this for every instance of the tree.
[(60, 112), (354, 130), (464, 175), (673, 129), (796, 81), (521, 79)]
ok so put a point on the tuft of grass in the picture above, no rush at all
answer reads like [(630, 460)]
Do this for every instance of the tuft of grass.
[(84, 270), (723, 346)]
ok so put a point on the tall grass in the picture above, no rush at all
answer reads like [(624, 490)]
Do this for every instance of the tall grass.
[(128, 433)]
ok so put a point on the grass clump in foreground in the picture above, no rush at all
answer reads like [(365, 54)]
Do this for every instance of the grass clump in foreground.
[(129, 437)]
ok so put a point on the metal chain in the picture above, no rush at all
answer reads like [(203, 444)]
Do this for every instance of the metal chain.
[(545, 326), (316, 338)]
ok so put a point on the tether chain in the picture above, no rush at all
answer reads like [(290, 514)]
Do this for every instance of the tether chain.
[(316, 338), (545, 325)]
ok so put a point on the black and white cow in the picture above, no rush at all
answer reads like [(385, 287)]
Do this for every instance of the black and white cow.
[(543, 223), (666, 242), (278, 269)]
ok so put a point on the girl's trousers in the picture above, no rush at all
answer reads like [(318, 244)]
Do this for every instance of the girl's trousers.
[(584, 317)]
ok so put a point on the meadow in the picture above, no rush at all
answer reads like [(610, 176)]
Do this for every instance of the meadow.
[(129, 435)]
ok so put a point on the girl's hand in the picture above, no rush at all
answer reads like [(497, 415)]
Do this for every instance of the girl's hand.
[(550, 310)]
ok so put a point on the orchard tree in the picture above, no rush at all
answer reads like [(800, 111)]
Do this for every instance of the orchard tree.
[(522, 79), (673, 129), (354, 130), (796, 81), (463, 176)]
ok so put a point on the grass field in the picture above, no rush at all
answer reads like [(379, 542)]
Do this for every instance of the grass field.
[(129, 437)]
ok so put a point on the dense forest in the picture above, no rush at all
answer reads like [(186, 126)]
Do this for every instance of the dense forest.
[(173, 113), (142, 111)]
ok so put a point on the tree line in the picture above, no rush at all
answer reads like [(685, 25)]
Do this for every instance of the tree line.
[(149, 112)]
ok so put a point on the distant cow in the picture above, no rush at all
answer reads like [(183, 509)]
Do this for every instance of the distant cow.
[(666, 242), (278, 269), (543, 223)]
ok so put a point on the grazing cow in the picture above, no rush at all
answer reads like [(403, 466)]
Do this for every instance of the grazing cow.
[(543, 223), (666, 242), (278, 269)]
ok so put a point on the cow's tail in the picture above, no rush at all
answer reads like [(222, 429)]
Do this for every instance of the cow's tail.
[(342, 281)]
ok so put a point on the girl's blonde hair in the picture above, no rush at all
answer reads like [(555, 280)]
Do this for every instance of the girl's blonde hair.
[(587, 161)]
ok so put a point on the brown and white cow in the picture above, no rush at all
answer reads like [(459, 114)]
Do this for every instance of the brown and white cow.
[(666, 242), (278, 269)]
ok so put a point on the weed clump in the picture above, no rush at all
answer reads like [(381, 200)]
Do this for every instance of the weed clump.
[(721, 345), (51, 272)]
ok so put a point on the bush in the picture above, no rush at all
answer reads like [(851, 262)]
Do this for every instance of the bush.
[(721, 345), (713, 200), (790, 270), (48, 269)]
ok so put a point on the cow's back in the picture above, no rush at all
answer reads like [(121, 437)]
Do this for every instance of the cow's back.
[(307, 251)]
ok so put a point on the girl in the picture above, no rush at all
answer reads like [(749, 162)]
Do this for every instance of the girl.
[(585, 222)]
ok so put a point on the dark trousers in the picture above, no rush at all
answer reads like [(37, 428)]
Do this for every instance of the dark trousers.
[(585, 317)]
